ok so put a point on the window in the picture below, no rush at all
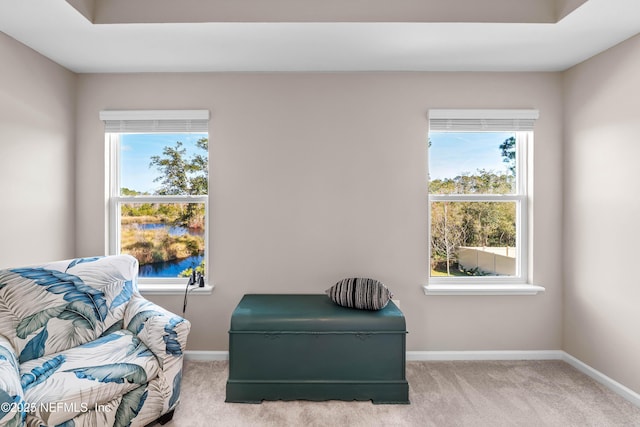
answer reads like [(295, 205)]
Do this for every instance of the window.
[(478, 196), (158, 191)]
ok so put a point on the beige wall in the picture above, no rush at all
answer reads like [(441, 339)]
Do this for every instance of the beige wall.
[(602, 212), (315, 177), (320, 176), (37, 150)]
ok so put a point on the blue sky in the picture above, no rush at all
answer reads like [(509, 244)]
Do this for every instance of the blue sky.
[(135, 153), (454, 153)]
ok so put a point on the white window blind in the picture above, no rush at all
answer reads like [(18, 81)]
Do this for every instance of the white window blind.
[(482, 120), (155, 121)]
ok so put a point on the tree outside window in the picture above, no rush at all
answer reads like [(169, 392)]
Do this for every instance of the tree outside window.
[(474, 198)]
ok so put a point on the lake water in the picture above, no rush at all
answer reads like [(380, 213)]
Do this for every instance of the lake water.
[(169, 268), (175, 267)]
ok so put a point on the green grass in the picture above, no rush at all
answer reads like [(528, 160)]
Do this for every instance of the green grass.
[(453, 271), (150, 246)]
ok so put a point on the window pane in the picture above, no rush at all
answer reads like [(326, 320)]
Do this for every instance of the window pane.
[(472, 162), (166, 238), (473, 239), (164, 164)]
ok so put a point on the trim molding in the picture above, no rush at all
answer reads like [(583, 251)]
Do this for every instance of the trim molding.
[(484, 355), (481, 289), (205, 355), (174, 289), (611, 384)]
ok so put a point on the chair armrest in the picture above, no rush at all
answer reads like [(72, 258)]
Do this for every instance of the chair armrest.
[(163, 332), (12, 410)]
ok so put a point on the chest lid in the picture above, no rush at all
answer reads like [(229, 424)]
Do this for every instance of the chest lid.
[(311, 313)]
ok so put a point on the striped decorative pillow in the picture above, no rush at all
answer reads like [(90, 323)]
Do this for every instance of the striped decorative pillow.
[(362, 293)]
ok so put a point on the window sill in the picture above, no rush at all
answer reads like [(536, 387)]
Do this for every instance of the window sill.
[(482, 289), (174, 290)]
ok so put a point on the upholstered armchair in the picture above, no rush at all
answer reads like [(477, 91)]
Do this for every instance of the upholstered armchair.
[(79, 346)]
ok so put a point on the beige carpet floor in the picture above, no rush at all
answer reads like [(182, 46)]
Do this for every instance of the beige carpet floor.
[(504, 393)]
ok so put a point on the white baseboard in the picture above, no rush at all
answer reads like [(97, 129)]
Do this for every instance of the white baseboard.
[(201, 355), (484, 355), (611, 384), (205, 356)]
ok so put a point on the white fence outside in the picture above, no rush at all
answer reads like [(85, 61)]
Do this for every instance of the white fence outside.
[(500, 261)]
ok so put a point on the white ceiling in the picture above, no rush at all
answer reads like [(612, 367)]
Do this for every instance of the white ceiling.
[(59, 32)]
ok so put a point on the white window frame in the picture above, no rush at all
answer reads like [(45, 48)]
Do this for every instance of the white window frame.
[(156, 285), (517, 284)]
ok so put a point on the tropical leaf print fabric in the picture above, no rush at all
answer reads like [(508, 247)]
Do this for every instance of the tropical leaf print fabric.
[(163, 332), (10, 388), (79, 299), (79, 346), (85, 376)]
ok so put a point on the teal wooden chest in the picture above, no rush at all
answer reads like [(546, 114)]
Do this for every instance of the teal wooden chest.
[(288, 347)]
